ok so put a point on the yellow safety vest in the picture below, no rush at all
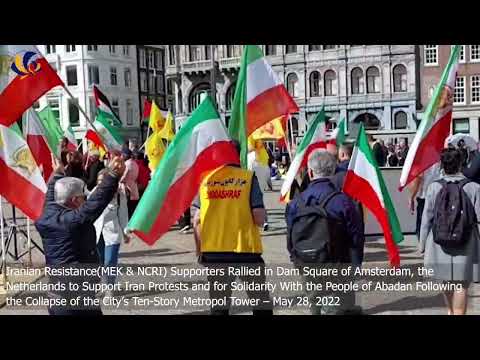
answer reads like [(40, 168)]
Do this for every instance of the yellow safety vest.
[(226, 218)]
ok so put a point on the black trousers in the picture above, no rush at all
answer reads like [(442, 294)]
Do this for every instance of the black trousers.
[(132, 205), (420, 207), (235, 260), (185, 220)]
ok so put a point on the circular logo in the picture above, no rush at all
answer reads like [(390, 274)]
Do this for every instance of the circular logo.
[(26, 63)]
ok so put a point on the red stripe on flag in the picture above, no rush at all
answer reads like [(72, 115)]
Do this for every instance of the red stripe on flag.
[(29, 200), (21, 93), (269, 105), (181, 194), (147, 108), (360, 189), (429, 149), (41, 153), (311, 148)]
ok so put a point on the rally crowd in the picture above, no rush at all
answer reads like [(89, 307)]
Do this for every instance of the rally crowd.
[(89, 202)]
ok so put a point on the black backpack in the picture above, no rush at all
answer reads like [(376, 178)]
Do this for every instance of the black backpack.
[(316, 238), (454, 215)]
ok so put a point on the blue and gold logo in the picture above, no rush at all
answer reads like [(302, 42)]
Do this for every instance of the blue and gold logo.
[(26, 64)]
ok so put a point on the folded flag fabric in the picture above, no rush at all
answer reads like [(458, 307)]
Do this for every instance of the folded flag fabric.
[(104, 106)]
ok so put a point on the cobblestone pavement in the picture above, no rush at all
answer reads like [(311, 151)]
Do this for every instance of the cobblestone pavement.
[(177, 250)]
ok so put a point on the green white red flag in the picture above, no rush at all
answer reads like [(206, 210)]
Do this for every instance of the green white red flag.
[(260, 97), (22, 183), (201, 146), (435, 125), (315, 138), (364, 183), (106, 135)]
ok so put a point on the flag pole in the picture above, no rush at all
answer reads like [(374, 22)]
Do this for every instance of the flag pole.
[(81, 109), (4, 259)]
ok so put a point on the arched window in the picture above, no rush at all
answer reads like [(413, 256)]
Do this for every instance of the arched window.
[(315, 83), (330, 79), (400, 78), (195, 52), (229, 97), (400, 120), (358, 83), (370, 121), (196, 95), (373, 80), (292, 84)]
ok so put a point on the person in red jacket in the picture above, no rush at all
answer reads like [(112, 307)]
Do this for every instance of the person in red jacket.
[(143, 172)]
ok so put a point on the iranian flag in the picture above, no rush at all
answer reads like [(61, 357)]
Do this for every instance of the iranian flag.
[(25, 75), (435, 126), (72, 142), (53, 130), (104, 107), (315, 138), (106, 135), (22, 183), (201, 146), (338, 135), (260, 97), (364, 183), (38, 142)]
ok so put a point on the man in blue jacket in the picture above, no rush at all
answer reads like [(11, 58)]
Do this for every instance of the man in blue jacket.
[(68, 234)]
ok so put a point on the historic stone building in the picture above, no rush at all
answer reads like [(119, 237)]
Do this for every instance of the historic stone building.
[(373, 84)]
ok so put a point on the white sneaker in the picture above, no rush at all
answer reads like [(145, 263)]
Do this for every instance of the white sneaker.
[(265, 227), (185, 229)]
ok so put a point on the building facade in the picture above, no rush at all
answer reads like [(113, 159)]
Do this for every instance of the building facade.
[(151, 77), (113, 68), (466, 106), (373, 84)]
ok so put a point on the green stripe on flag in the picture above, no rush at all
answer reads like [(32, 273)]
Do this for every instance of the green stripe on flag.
[(341, 132), (312, 128), (253, 53), (152, 200), (103, 118), (53, 130)]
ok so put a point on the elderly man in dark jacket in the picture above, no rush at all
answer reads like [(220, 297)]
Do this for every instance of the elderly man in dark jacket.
[(67, 231)]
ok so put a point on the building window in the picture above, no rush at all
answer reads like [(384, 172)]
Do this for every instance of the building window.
[(459, 93), (474, 53), (126, 50), (171, 55), (92, 107), (292, 84), (475, 88), (373, 80), (159, 62), (73, 113), (112, 49), (151, 83), (315, 83), (461, 126), (290, 49), (195, 52), (196, 95), (129, 111), (128, 77), (160, 83), (143, 82), (69, 48), (50, 49), (113, 75), (115, 107), (400, 78), (208, 52), (461, 57), (54, 104), (142, 59), (328, 47), (230, 51), (170, 86), (72, 75), (270, 50), (400, 120), (230, 96), (430, 54), (330, 79), (151, 59), (92, 47), (314, 47), (358, 83), (93, 75)]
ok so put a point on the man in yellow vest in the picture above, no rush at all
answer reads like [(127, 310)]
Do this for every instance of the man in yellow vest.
[(230, 209)]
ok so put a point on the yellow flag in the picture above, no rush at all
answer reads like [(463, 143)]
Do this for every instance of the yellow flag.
[(101, 149), (157, 120), (155, 149), (272, 130), (262, 154), (167, 130)]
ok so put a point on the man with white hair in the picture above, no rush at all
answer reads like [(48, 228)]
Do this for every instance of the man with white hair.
[(323, 226), (67, 230)]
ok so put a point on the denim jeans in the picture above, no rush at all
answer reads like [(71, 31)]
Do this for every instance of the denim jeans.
[(108, 256)]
